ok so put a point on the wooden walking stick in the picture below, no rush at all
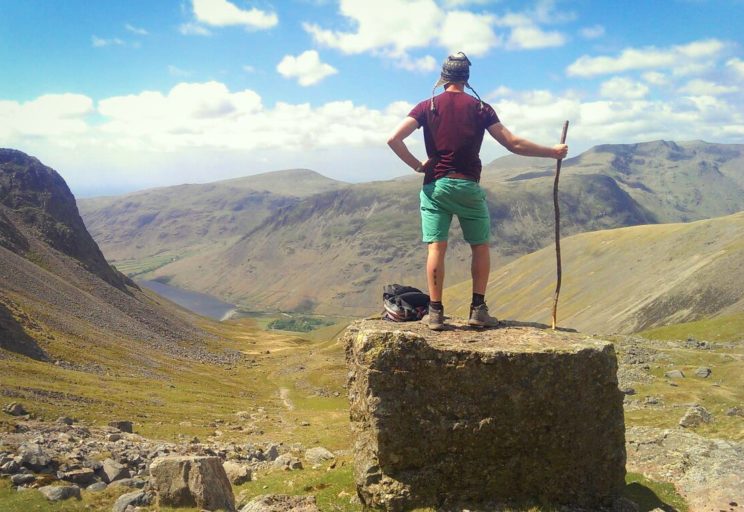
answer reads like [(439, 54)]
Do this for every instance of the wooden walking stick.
[(558, 229)]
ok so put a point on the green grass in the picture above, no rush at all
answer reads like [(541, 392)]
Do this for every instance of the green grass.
[(721, 328), (648, 494)]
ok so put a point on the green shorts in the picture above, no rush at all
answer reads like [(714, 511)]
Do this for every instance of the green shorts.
[(450, 196)]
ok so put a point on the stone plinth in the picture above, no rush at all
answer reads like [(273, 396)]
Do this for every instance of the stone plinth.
[(511, 415)]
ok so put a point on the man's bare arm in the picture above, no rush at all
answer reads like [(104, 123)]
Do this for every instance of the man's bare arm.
[(404, 129), (524, 147)]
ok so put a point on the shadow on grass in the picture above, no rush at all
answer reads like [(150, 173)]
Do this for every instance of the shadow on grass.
[(646, 498)]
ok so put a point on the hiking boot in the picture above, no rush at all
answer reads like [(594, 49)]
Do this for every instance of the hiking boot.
[(479, 317), (436, 319)]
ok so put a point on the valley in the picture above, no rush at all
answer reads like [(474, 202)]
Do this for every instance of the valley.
[(329, 247), (83, 342)]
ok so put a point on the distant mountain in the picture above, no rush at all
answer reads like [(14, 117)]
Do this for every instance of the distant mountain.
[(59, 298), (625, 280), (194, 217), (333, 250)]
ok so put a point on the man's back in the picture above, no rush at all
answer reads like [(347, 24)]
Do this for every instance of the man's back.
[(453, 132)]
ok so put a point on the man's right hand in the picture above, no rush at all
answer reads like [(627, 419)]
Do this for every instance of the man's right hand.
[(561, 150)]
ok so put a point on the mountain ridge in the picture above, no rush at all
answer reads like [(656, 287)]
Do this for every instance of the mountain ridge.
[(335, 248)]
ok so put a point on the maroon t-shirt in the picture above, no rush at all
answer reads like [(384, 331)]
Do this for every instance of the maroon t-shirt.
[(453, 133)]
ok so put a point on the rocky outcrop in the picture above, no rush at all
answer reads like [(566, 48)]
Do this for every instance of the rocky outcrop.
[(192, 482), (708, 473), (40, 200), (462, 416)]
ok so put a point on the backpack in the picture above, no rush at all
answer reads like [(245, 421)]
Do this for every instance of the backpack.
[(403, 303)]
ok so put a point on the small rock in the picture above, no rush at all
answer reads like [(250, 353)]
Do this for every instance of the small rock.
[(57, 493), (22, 479), (96, 487), (84, 476), (15, 409), (703, 372), (735, 411), (272, 453), (652, 400), (694, 416), (134, 483), (10, 468), (113, 438), (124, 426), (674, 374), (65, 420), (33, 457), (281, 503), (628, 391), (318, 455), (237, 473), (305, 424), (132, 499), (287, 462)]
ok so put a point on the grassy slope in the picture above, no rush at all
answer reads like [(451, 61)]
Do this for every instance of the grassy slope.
[(180, 401), (625, 280)]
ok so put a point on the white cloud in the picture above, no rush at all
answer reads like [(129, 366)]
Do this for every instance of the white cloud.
[(393, 28), (62, 116), (426, 63), (593, 32), (306, 68), (249, 69), (136, 30), (396, 25), (99, 42), (651, 57), (623, 88), (193, 29), (699, 87), (655, 78), (530, 37), (476, 40), (221, 13), (737, 65)]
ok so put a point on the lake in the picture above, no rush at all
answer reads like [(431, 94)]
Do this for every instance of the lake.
[(199, 303)]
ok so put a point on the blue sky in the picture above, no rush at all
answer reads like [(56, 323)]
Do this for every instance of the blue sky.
[(120, 95)]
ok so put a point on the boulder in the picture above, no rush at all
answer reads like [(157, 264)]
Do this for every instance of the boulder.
[(281, 503), (22, 479), (703, 372), (113, 471), (34, 457), (237, 473), (124, 426), (318, 455), (15, 409), (695, 416), (134, 499), (287, 462), (674, 374), (60, 493), (461, 416), (191, 482)]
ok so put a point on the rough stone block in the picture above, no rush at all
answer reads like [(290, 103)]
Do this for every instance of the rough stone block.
[(192, 482), (517, 415)]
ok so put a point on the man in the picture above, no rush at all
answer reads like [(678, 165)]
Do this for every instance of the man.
[(454, 124)]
